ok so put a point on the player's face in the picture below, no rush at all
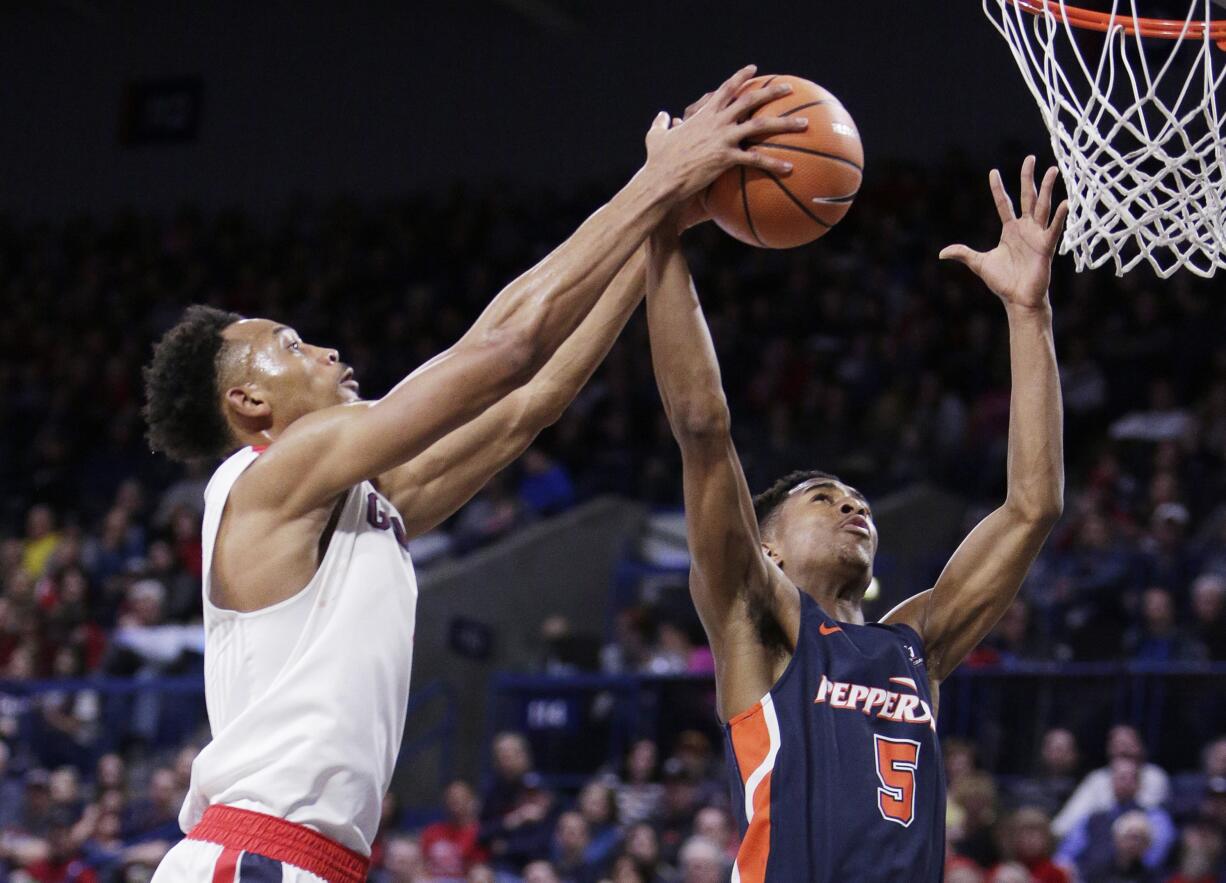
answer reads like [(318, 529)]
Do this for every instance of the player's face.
[(825, 524), (295, 376)]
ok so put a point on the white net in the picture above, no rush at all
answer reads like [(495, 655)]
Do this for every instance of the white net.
[(1135, 129)]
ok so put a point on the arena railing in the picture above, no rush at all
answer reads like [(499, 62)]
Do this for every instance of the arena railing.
[(73, 722), (582, 723)]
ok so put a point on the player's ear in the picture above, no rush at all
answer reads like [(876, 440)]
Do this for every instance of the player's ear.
[(772, 554), (248, 404)]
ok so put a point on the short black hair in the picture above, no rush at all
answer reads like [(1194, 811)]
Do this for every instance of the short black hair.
[(765, 503), (182, 411)]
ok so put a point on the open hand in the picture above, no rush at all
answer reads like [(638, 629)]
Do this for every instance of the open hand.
[(1018, 269), (691, 154)]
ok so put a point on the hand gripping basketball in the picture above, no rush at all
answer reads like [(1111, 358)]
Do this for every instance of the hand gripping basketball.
[(1018, 269), (691, 154)]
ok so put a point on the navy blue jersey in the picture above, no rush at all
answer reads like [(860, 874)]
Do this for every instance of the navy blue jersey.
[(836, 772)]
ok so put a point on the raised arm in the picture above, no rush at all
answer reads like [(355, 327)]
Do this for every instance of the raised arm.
[(983, 576), (434, 484), (732, 582), (329, 451)]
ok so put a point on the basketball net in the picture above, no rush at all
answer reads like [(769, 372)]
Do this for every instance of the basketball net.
[(1136, 131)]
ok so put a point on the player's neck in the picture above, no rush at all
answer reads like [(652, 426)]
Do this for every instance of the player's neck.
[(841, 598)]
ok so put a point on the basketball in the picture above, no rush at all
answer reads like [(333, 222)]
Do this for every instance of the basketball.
[(827, 159)]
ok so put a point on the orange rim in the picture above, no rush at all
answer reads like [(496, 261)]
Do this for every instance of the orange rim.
[(1162, 28)]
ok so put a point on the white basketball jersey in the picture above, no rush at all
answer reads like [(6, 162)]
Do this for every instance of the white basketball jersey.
[(307, 698)]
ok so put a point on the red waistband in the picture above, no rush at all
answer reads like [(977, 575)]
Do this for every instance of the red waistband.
[(281, 841)]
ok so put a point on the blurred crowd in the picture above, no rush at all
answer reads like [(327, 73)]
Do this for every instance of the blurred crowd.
[(666, 819), (860, 355)]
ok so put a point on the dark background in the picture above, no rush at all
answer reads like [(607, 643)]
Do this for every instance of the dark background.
[(377, 98)]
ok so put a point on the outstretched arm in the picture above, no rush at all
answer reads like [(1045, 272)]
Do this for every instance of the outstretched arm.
[(983, 576), (730, 577), (437, 482), (331, 450)]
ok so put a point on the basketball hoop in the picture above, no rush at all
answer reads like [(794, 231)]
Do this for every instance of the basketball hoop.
[(1136, 132)]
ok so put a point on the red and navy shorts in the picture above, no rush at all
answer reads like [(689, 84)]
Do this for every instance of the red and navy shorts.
[(231, 845)]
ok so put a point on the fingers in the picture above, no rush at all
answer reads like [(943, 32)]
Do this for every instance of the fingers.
[(1004, 205), (1057, 224), (661, 120), (696, 106), (1027, 186), (755, 98), (759, 159), (763, 127), (725, 93), (962, 255), (1043, 207)]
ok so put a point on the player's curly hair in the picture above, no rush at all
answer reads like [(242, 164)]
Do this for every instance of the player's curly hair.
[(182, 411), (765, 503)]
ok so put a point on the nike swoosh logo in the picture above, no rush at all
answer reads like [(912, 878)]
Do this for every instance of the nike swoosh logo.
[(827, 630)]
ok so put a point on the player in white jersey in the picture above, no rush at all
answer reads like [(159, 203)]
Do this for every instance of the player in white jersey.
[(309, 594)]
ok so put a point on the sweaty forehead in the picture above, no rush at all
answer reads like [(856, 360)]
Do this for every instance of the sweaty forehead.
[(815, 483), (250, 330)]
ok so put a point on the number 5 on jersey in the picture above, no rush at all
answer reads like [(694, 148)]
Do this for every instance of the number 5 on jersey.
[(896, 763)]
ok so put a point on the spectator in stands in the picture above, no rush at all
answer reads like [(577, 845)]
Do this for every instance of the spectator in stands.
[(624, 870), (564, 650), (681, 802), (975, 798), (1213, 806), (572, 840), (41, 540), (703, 862), (110, 773), (643, 846), (1026, 841), (64, 862), (1188, 790), (1093, 578), (481, 874), (1093, 843), (11, 791), (598, 807), (491, 514), (693, 749), (403, 863), (102, 846), (516, 808), (1054, 780), (1131, 841), (1016, 638), (545, 487), (1209, 614), (634, 635), (963, 870), (156, 815), (64, 789), (541, 872), (715, 824), (1095, 793), (36, 807), (1159, 638), (639, 795), (959, 758), (450, 847), (1200, 855)]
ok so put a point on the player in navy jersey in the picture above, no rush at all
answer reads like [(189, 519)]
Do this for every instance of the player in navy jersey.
[(831, 722)]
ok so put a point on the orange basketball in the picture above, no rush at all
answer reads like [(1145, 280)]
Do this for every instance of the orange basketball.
[(827, 159)]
